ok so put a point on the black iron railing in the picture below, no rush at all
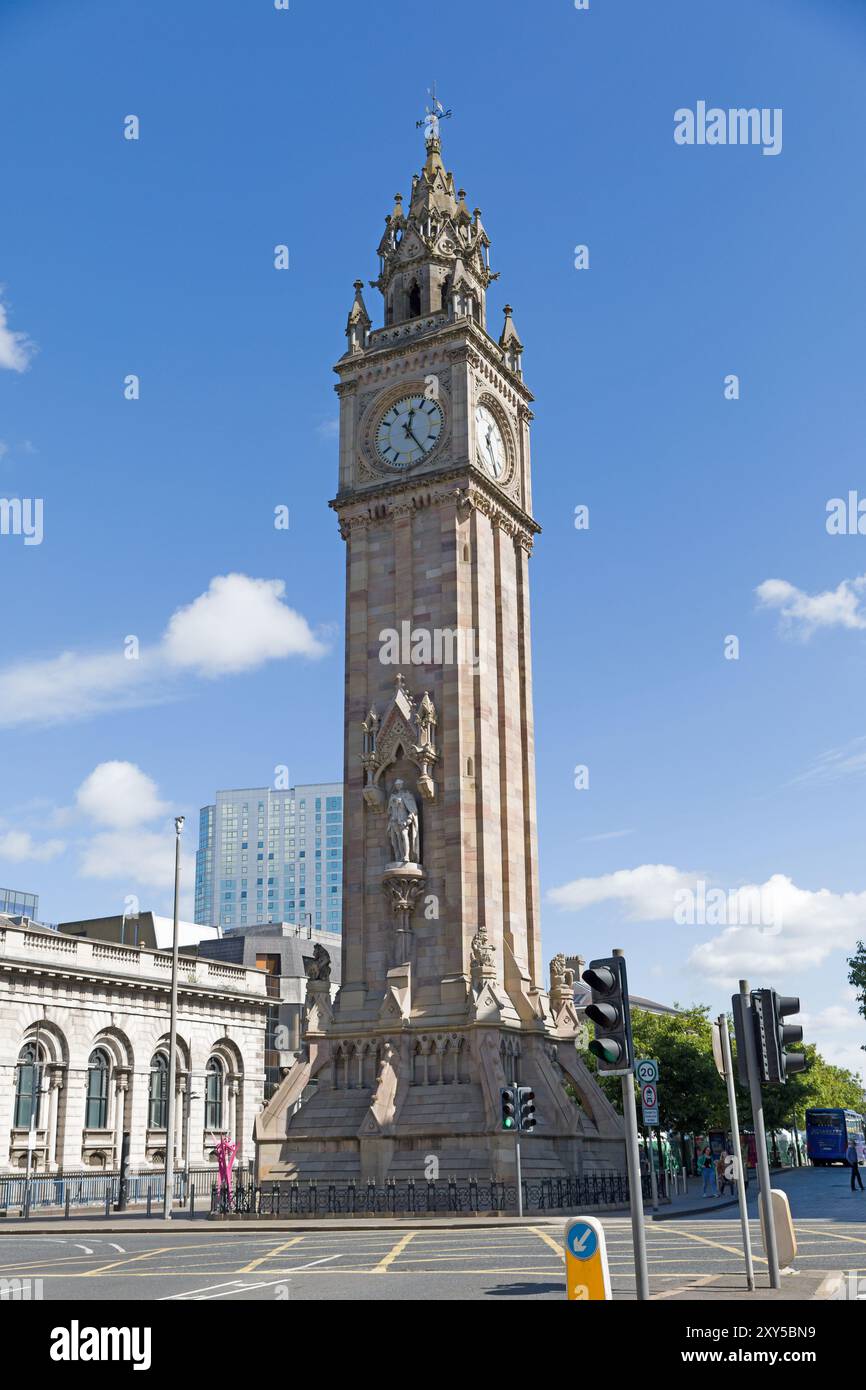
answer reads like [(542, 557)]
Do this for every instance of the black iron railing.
[(89, 1188), (423, 1198)]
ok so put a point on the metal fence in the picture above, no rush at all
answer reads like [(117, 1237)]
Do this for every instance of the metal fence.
[(410, 1198), (89, 1188)]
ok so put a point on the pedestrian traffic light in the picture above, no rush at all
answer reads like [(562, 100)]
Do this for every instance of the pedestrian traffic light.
[(609, 1011), (526, 1120), (508, 1105), (773, 1035)]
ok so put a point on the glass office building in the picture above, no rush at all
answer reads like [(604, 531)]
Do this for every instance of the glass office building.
[(19, 904), (271, 856)]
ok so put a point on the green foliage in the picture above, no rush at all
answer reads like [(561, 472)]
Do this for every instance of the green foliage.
[(857, 977), (692, 1095), (822, 1084), (691, 1092)]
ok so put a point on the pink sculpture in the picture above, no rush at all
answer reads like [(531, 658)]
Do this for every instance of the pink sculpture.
[(225, 1152)]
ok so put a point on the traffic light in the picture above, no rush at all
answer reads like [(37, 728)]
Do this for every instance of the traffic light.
[(609, 1011), (526, 1120), (508, 1106), (773, 1035)]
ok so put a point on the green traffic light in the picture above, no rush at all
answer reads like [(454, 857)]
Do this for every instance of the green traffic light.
[(508, 1123)]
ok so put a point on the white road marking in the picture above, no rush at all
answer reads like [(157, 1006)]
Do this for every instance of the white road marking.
[(86, 1248), (225, 1290)]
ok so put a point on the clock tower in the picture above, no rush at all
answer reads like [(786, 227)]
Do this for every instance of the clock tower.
[(444, 995)]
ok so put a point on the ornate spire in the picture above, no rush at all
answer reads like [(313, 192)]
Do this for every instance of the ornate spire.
[(359, 323), (511, 344), (434, 258)]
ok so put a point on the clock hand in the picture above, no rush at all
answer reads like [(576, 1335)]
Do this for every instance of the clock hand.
[(410, 434)]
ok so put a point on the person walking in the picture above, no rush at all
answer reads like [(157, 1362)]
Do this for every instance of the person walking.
[(852, 1158), (722, 1171), (708, 1173)]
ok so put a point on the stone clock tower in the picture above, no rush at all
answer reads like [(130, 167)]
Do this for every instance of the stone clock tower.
[(444, 995)]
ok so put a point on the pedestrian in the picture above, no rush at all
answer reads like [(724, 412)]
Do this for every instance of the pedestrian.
[(722, 1171), (708, 1173), (852, 1157)]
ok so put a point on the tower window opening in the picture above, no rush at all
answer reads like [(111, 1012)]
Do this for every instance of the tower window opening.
[(415, 300)]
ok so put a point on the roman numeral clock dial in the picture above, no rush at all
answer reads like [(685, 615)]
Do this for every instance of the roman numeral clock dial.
[(408, 431), (490, 444)]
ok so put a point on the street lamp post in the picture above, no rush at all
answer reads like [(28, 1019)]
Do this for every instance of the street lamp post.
[(172, 1046)]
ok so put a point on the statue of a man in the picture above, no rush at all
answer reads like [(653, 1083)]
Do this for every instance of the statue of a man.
[(425, 721), (403, 824)]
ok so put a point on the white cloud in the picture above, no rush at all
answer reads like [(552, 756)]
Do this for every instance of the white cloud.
[(804, 613), (74, 685), (17, 845), (839, 1031), (238, 624), (647, 893), (119, 794), (803, 927), (847, 761), (16, 349), (604, 835), (136, 856), (328, 429), (812, 925)]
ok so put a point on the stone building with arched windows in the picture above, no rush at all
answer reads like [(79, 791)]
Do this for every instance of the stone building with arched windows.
[(84, 1049)]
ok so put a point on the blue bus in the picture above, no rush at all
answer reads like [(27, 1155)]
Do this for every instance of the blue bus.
[(829, 1132)]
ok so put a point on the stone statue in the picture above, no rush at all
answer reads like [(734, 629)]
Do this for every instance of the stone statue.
[(482, 951), (425, 722), (403, 824), (561, 976), (319, 968)]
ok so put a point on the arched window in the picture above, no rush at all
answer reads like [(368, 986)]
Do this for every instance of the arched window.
[(27, 1086), (158, 1090), (98, 1068), (415, 300), (213, 1114)]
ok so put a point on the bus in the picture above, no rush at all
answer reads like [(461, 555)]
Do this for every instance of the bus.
[(829, 1132)]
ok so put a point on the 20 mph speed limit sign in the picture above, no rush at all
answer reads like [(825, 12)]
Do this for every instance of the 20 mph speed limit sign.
[(646, 1070)]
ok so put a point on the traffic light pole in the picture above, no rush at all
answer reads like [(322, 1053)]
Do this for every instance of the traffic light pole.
[(742, 1194), (632, 1152), (766, 1200), (519, 1176)]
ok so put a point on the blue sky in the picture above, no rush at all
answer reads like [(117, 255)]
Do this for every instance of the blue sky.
[(155, 257)]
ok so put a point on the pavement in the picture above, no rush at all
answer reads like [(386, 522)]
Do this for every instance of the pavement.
[(698, 1257)]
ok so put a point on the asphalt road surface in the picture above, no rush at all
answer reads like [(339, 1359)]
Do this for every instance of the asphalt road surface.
[(219, 1262)]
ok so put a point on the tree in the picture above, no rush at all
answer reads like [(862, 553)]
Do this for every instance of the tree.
[(692, 1097), (857, 978)]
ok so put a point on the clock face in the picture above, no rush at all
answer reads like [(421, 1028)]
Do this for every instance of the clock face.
[(408, 431), (489, 441)]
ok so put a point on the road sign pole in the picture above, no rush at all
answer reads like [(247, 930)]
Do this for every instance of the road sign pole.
[(725, 1041), (760, 1137), (629, 1110)]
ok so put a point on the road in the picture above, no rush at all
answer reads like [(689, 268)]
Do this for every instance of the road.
[(222, 1262)]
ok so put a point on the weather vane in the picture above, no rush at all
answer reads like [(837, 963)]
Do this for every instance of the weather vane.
[(432, 116)]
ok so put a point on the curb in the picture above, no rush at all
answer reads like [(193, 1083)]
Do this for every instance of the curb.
[(695, 1211)]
